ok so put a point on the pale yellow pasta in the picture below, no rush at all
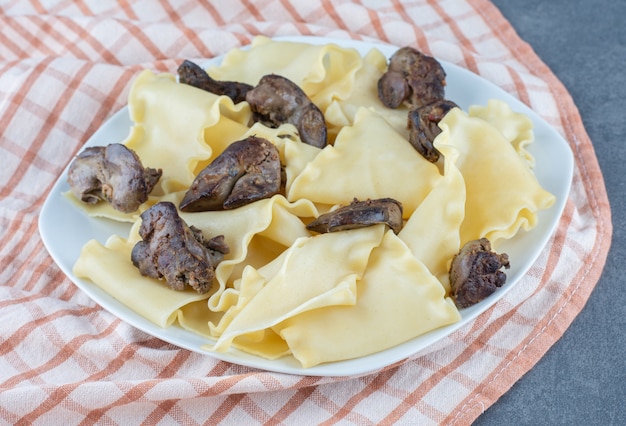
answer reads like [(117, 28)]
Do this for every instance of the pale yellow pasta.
[(109, 266), (503, 195), (195, 317), (342, 112), (368, 160), (323, 72), (432, 231), (516, 127), (266, 343), (104, 210), (273, 221), (296, 279), (170, 121), (283, 290), (398, 299)]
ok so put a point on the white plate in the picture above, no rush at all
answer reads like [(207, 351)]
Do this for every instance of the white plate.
[(65, 229)]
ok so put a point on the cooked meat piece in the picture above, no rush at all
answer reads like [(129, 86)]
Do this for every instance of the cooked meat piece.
[(423, 127), (193, 75), (113, 173), (413, 77), (248, 170), (475, 272), (173, 250), (277, 100), (393, 89), (359, 214)]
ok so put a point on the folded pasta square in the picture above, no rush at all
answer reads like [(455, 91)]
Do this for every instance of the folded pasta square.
[(170, 122), (342, 111), (256, 235), (397, 300), (432, 232), (503, 194), (109, 267), (324, 72), (314, 272), (516, 127), (368, 160)]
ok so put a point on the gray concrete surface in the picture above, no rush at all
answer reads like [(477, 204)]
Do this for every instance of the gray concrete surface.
[(582, 378)]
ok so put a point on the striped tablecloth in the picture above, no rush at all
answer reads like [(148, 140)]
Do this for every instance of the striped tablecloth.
[(66, 66)]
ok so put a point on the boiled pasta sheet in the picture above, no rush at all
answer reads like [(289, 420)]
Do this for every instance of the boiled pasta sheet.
[(256, 235), (517, 128), (503, 194), (342, 112), (179, 128), (109, 267), (323, 72), (368, 160), (313, 273), (398, 299), (402, 293), (432, 233), (333, 296)]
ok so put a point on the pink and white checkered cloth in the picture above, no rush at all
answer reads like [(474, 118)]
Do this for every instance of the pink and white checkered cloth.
[(66, 66)]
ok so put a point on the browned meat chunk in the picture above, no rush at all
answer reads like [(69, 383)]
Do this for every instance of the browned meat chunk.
[(248, 170), (193, 75), (475, 272), (277, 100), (173, 250), (423, 127), (359, 214), (113, 173), (412, 77)]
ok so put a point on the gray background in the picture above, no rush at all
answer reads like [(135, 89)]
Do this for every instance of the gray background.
[(582, 378)]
